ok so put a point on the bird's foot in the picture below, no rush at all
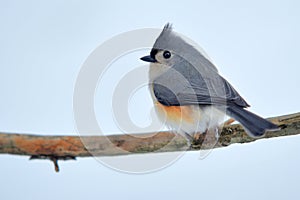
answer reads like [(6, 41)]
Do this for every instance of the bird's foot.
[(189, 140), (194, 141)]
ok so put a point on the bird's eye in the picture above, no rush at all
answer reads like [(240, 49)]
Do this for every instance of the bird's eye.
[(167, 54)]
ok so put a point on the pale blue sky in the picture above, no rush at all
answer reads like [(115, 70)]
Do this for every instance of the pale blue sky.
[(255, 45)]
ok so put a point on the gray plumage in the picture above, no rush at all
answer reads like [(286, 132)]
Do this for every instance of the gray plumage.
[(192, 79)]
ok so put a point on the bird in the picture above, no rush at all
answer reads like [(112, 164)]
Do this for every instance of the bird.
[(189, 94)]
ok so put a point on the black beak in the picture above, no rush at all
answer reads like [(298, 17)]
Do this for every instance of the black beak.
[(148, 59)]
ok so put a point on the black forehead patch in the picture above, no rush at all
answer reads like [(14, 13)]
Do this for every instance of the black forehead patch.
[(153, 53)]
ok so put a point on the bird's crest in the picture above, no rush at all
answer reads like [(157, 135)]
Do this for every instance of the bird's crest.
[(170, 40)]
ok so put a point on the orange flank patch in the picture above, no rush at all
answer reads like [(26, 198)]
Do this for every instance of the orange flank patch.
[(176, 113)]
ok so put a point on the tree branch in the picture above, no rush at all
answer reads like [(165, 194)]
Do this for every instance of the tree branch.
[(69, 147)]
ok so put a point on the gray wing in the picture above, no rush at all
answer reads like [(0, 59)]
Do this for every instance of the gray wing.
[(183, 84)]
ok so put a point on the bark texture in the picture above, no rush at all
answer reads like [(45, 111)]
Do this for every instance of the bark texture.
[(61, 147)]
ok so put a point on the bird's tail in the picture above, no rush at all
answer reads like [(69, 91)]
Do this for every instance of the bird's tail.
[(254, 125)]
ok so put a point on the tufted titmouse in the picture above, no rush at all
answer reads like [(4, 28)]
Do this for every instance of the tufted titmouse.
[(190, 95)]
